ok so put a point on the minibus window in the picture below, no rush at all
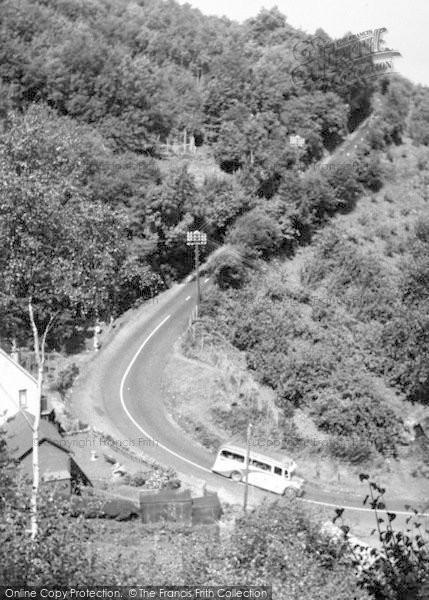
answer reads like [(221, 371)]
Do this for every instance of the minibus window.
[(232, 456), (277, 470), (260, 465)]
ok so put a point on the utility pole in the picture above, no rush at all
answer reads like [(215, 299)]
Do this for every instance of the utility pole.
[(197, 239), (246, 481)]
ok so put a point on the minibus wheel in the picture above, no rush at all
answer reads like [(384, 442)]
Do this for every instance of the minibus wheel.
[(236, 476), (289, 492)]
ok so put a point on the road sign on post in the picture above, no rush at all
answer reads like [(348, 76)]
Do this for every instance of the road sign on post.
[(197, 239), (297, 141)]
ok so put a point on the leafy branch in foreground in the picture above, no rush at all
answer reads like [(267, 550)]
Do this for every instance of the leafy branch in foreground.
[(400, 570)]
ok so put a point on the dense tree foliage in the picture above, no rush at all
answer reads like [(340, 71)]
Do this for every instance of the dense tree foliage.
[(91, 89), (139, 71), (407, 334), (419, 128), (59, 247), (311, 363)]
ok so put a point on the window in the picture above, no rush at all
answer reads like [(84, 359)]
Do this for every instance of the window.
[(260, 465), (22, 398), (232, 456), (277, 471), (287, 474)]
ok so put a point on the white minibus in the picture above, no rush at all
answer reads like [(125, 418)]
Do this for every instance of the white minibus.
[(271, 474)]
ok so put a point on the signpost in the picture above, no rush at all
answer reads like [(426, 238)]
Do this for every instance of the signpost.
[(197, 239), (297, 141)]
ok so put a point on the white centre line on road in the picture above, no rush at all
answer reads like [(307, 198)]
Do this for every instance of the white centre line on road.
[(121, 394), (190, 462), (188, 298), (361, 509)]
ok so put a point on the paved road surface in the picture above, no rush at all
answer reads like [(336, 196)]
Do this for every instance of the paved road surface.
[(124, 392), (129, 398)]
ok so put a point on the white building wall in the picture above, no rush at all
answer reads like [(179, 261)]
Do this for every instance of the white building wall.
[(13, 380)]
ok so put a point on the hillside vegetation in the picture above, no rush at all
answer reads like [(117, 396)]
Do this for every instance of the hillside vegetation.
[(340, 332), (326, 301), (90, 91)]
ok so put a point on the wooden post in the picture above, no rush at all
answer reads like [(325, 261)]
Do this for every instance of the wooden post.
[(246, 483), (197, 268)]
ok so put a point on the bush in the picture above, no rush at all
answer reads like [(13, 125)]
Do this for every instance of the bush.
[(256, 230), (317, 567), (137, 479), (355, 415), (121, 510), (406, 342), (236, 420), (352, 450), (346, 187), (370, 171), (357, 279), (229, 267), (65, 379), (402, 566)]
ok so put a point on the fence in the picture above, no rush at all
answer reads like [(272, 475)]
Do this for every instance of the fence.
[(174, 147), (179, 507), (27, 359)]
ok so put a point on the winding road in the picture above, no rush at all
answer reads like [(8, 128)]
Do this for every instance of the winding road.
[(124, 397), (121, 395), (127, 391)]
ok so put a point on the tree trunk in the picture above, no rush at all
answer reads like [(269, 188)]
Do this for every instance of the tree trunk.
[(39, 351), (36, 424), (36, 477)]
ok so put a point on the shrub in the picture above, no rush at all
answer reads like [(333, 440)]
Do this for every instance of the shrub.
[(351, 450), (346, 186), (236, 420), (258, 231), (370, 171), (138, 479), (65, 379), (262, 542), (356, 278), (121, 510), (368, 418), (229, 267), (400, 571)]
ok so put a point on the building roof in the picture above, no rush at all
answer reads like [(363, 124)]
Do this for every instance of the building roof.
[(56, 475), (19, 434), (17, 365)]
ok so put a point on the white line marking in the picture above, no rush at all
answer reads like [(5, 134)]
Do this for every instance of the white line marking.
[(121, 394), (206, 280), (188, 298), (361, 509)]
